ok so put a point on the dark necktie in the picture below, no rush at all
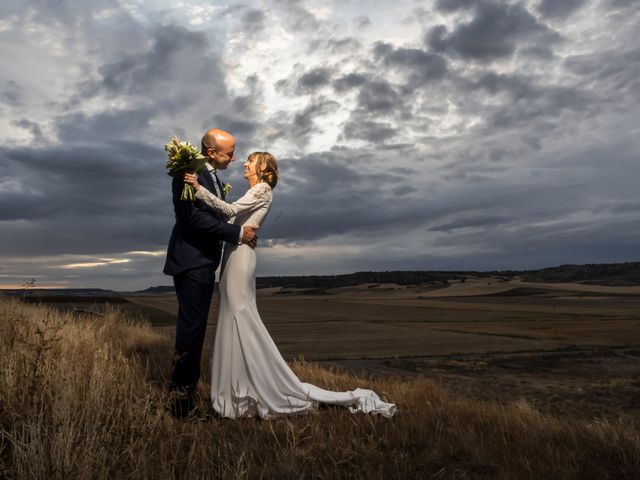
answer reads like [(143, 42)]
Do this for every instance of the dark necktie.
[(220, 189)]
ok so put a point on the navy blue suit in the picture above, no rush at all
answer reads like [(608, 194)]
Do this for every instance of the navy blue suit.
[(193, 256)]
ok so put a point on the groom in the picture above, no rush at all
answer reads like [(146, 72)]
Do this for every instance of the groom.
[(193, 256)]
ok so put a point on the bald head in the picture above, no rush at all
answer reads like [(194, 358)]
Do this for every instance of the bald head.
[(218, 145)]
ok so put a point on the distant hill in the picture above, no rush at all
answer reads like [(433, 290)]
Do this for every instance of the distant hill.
[(159, 289), (76, 292), (618, 274)]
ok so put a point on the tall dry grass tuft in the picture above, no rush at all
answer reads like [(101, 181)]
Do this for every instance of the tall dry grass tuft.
[(83, 398)]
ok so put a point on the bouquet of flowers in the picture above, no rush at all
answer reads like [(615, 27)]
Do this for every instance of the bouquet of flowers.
[(183, 158)]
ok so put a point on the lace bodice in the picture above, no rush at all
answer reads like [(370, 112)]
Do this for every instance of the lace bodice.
[(252, 207), (261, 192)]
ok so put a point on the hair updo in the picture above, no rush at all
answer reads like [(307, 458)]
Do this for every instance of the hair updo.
[(266, 167)]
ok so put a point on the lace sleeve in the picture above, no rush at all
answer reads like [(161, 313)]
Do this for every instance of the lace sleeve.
[(262, 192), (249, 201)]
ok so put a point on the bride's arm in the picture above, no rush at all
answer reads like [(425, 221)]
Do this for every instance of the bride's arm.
[(247, 202)]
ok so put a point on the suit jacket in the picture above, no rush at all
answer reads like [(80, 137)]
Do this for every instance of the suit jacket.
[(197, 236)]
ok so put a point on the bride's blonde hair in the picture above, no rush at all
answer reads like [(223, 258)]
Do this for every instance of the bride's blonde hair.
[(267, 162)]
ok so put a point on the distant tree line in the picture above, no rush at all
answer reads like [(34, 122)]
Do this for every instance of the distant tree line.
[(627, 273), (358, 278)]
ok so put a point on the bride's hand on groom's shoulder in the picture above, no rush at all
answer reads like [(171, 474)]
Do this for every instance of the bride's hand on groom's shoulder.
[(192, 179)]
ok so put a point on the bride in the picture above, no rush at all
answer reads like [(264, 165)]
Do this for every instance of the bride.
[(249, 375)]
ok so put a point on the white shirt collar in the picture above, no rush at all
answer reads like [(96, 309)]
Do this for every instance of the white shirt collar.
[(210, 167)]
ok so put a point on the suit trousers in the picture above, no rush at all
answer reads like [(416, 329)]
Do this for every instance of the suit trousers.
[(194, 289)]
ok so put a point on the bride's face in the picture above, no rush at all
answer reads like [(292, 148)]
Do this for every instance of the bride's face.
[(250, 168)]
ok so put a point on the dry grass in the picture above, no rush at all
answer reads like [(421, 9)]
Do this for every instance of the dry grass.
[(82, 398)]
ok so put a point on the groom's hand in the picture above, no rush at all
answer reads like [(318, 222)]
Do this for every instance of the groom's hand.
[(249, 236)]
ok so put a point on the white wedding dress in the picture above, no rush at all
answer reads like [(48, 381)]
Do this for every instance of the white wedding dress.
[(249, 376)]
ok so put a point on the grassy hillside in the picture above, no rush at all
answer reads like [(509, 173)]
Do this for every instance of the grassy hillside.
[(615, 274), (82, 398)]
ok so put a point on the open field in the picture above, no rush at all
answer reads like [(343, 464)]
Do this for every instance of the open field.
[(571, 351), (569, 348), (391, 321), (81, 396)]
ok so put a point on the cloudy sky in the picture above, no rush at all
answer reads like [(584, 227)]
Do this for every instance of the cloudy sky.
[(451, 134)]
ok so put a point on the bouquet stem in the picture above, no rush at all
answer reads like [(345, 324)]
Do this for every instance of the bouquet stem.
[(188, 193)]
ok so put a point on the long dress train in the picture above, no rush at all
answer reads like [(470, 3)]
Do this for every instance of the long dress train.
[(249, 375)]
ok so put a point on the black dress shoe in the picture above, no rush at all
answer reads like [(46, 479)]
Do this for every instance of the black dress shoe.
[(180, 401)]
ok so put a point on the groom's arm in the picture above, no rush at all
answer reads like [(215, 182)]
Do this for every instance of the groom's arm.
[(196, 218)]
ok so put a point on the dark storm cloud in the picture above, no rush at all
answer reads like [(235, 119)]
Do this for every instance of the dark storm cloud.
[(525, 248), (539, 102), (103, 126), (30, 126), (559, 8), (374, 132), (11, 94), (241, 119), (344, 194), (304, 122), (453, 5), (83, 200), (378, 105), (239, 127), (419, 65), (349, 81), (339, 196), (313, 80), (518, 86), (379, 101), (172, 70), (521, 88), (379, 96), (344, 45), (495, 31), (537, 52), (174, 54), (304, 81), (135, 73), (554, 101), (626, 207), (475, 221), (571, 241), (65, 174)]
